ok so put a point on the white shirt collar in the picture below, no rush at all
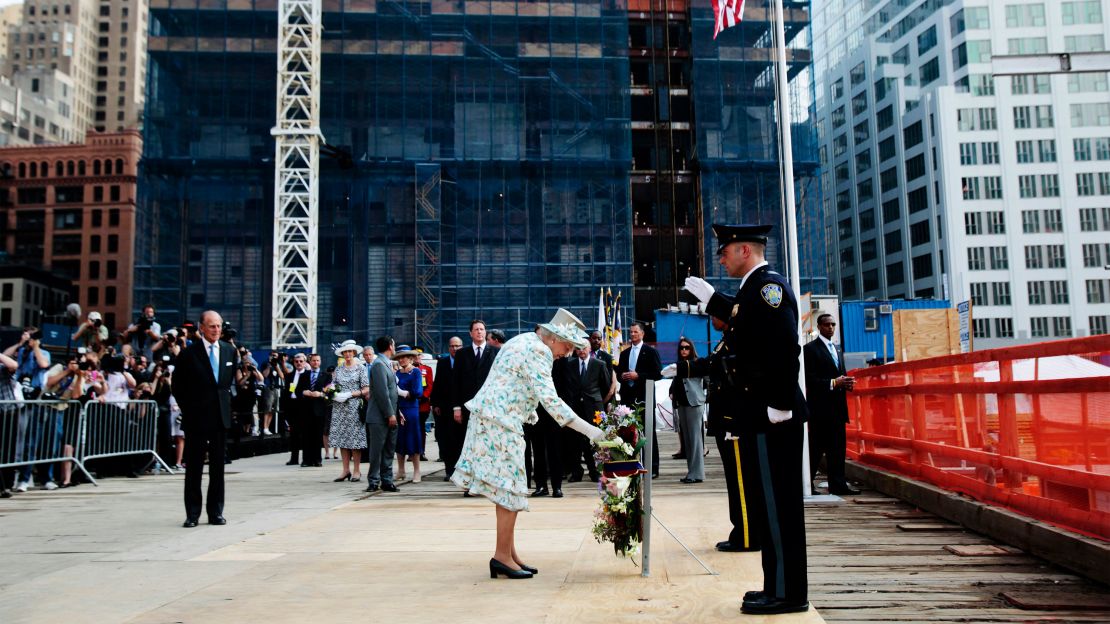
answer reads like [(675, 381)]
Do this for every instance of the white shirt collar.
[(825, 340), (474, 346), (749, 273), (208, 345)]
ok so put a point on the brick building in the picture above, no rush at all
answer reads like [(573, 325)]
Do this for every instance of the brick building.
[(71, 209)]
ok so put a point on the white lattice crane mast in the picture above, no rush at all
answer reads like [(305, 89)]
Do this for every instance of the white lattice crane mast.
[(296, 174)]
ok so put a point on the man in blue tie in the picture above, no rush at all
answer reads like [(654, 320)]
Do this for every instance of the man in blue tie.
[(202, 380), (827, 385)]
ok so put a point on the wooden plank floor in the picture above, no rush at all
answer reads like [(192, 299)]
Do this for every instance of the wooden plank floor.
[(863, 568)]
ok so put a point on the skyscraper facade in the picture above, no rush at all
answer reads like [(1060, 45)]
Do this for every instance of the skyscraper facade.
[(944, 180), (485, 162)]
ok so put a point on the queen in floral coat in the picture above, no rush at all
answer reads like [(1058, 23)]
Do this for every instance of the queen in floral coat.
[(492, 459)]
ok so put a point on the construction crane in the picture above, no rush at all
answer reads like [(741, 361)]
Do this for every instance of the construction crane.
[(296, 174)]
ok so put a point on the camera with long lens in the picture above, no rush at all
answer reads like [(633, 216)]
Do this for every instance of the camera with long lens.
[(29, 391), (144, 323), (112, 364), (228, 333)]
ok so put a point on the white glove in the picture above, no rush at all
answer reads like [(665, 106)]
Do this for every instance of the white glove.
[(404, 394), (341, 397), (699, 288), (779, 416), (586, 429), (670, 370)]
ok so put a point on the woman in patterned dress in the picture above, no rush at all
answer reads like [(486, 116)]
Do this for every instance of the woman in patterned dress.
[(347, 433), (410, 387), (492, 459)]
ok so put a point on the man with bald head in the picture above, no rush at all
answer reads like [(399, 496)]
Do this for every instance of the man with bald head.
[(202, 380)]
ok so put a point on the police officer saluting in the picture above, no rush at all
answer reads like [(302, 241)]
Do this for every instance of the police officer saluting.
[(764, 407)]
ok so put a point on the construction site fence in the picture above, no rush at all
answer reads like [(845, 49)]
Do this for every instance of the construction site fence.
[(1026, 428), (53, 431)]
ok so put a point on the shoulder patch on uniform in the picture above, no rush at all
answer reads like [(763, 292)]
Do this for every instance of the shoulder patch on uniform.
[(772, 294)]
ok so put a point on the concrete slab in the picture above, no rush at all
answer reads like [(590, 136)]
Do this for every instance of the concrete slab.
[(299, 547)]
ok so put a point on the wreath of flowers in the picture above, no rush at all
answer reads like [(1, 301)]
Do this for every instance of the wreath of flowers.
[(620, 515)]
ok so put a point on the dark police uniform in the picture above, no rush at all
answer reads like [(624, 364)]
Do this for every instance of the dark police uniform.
[(741, 538), (760, 362)]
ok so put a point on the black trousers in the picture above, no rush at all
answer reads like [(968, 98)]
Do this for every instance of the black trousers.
[(772, 465), (739, 504), (313, 426), (828, 439), (449, 437), (294, 415), (198, 443), (547, 454)]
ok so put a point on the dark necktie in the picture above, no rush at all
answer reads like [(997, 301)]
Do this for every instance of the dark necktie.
[(312, 380), (478, 354), (582, 372)]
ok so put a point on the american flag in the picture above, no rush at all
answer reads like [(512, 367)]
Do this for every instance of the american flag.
[(729, 13)]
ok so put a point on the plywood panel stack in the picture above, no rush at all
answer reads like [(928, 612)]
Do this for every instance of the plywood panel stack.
[(920, 334)]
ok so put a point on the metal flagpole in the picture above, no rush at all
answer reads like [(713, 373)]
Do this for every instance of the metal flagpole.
[(787, 146)]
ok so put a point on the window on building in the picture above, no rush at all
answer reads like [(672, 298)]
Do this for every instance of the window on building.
[(1027, 45), (865, 190), (999, 258), (917, 200), (981, 327), (1043, 116), (973, 223), (895, 274), (1001, 293), (976, 259), (1004, 327), (1082, 12), (930, 71), (1096, 291), (887, 149), (1056, 257), (885, 118), (1094, 82), (888, 181), (838, 89), (1084, 43), (981, 84), (1053, 220), (891, 211), (990, 152), (859, 103), (996, 222), (1088, 220), (1085, 184), (915, 167), (1034, 257), (1092, 114), (912, 135), (971, 188), (93, 295), (1104, 183), (1027, 186), (1022, 118), (1061, 326), (1037, 293), (1038, 326), (1082, 148), (862, 132), (919, 233), (922, 266), (892, 242), (980, 294), (1102, 148), (1024, 151), (858, 75), (863, 162), (113, 243), (1092, 255), (1024, 15), (847, 257), (968, 154)]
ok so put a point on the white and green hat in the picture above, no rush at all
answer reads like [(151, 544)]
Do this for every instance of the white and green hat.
[(566, 327)]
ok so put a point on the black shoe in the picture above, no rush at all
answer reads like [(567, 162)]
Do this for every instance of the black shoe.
[(685, 480), (574, 478), (655, 475), (447, 478), (423, 457), (189, 523), (217, 520), (8, 493), (467, 495), (541, 491), (389, 487), (373, 487), (755, 596), (496, 567), (346, 477), (773, 606), (728, 546), (594, 477), (678, 456), (556, 493), (292, 462), (528, 568)]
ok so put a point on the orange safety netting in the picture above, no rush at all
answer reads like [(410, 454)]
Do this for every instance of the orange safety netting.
[(1027, 428)]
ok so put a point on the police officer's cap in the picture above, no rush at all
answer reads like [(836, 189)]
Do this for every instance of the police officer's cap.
[(742, 233)]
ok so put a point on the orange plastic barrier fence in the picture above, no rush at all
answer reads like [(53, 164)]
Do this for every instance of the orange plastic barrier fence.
[(1027, 427)]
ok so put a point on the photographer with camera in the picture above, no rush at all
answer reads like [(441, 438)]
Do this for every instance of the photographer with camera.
[(168, 347), (273, 371), (9, 410), (64, 383), (161, 394), (93, 333), (32, 361), (249, 385), (144, 333)]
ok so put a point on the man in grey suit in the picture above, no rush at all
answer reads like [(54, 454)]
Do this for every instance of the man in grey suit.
[(381, 418)]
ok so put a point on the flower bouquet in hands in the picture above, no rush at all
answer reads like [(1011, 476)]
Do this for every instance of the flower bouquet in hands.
[(619, 517), (329, 392)]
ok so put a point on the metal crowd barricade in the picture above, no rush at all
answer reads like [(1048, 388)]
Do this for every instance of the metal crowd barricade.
[(1025, 427), (41, 432), (119, 428)]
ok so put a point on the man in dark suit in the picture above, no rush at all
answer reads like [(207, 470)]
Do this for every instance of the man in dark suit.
[(597, 353), (827, 384), (766, 408), (582, 382), (316, 410), (638, 364), (449, 435), (473, 364), (295, 407), (202, 380)]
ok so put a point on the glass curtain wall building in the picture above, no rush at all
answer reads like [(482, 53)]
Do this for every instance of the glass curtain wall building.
[(488, 174), (737, 134)]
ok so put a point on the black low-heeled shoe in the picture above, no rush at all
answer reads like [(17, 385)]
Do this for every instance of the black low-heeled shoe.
[(346, 477), (528, 568), (496, 567)]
